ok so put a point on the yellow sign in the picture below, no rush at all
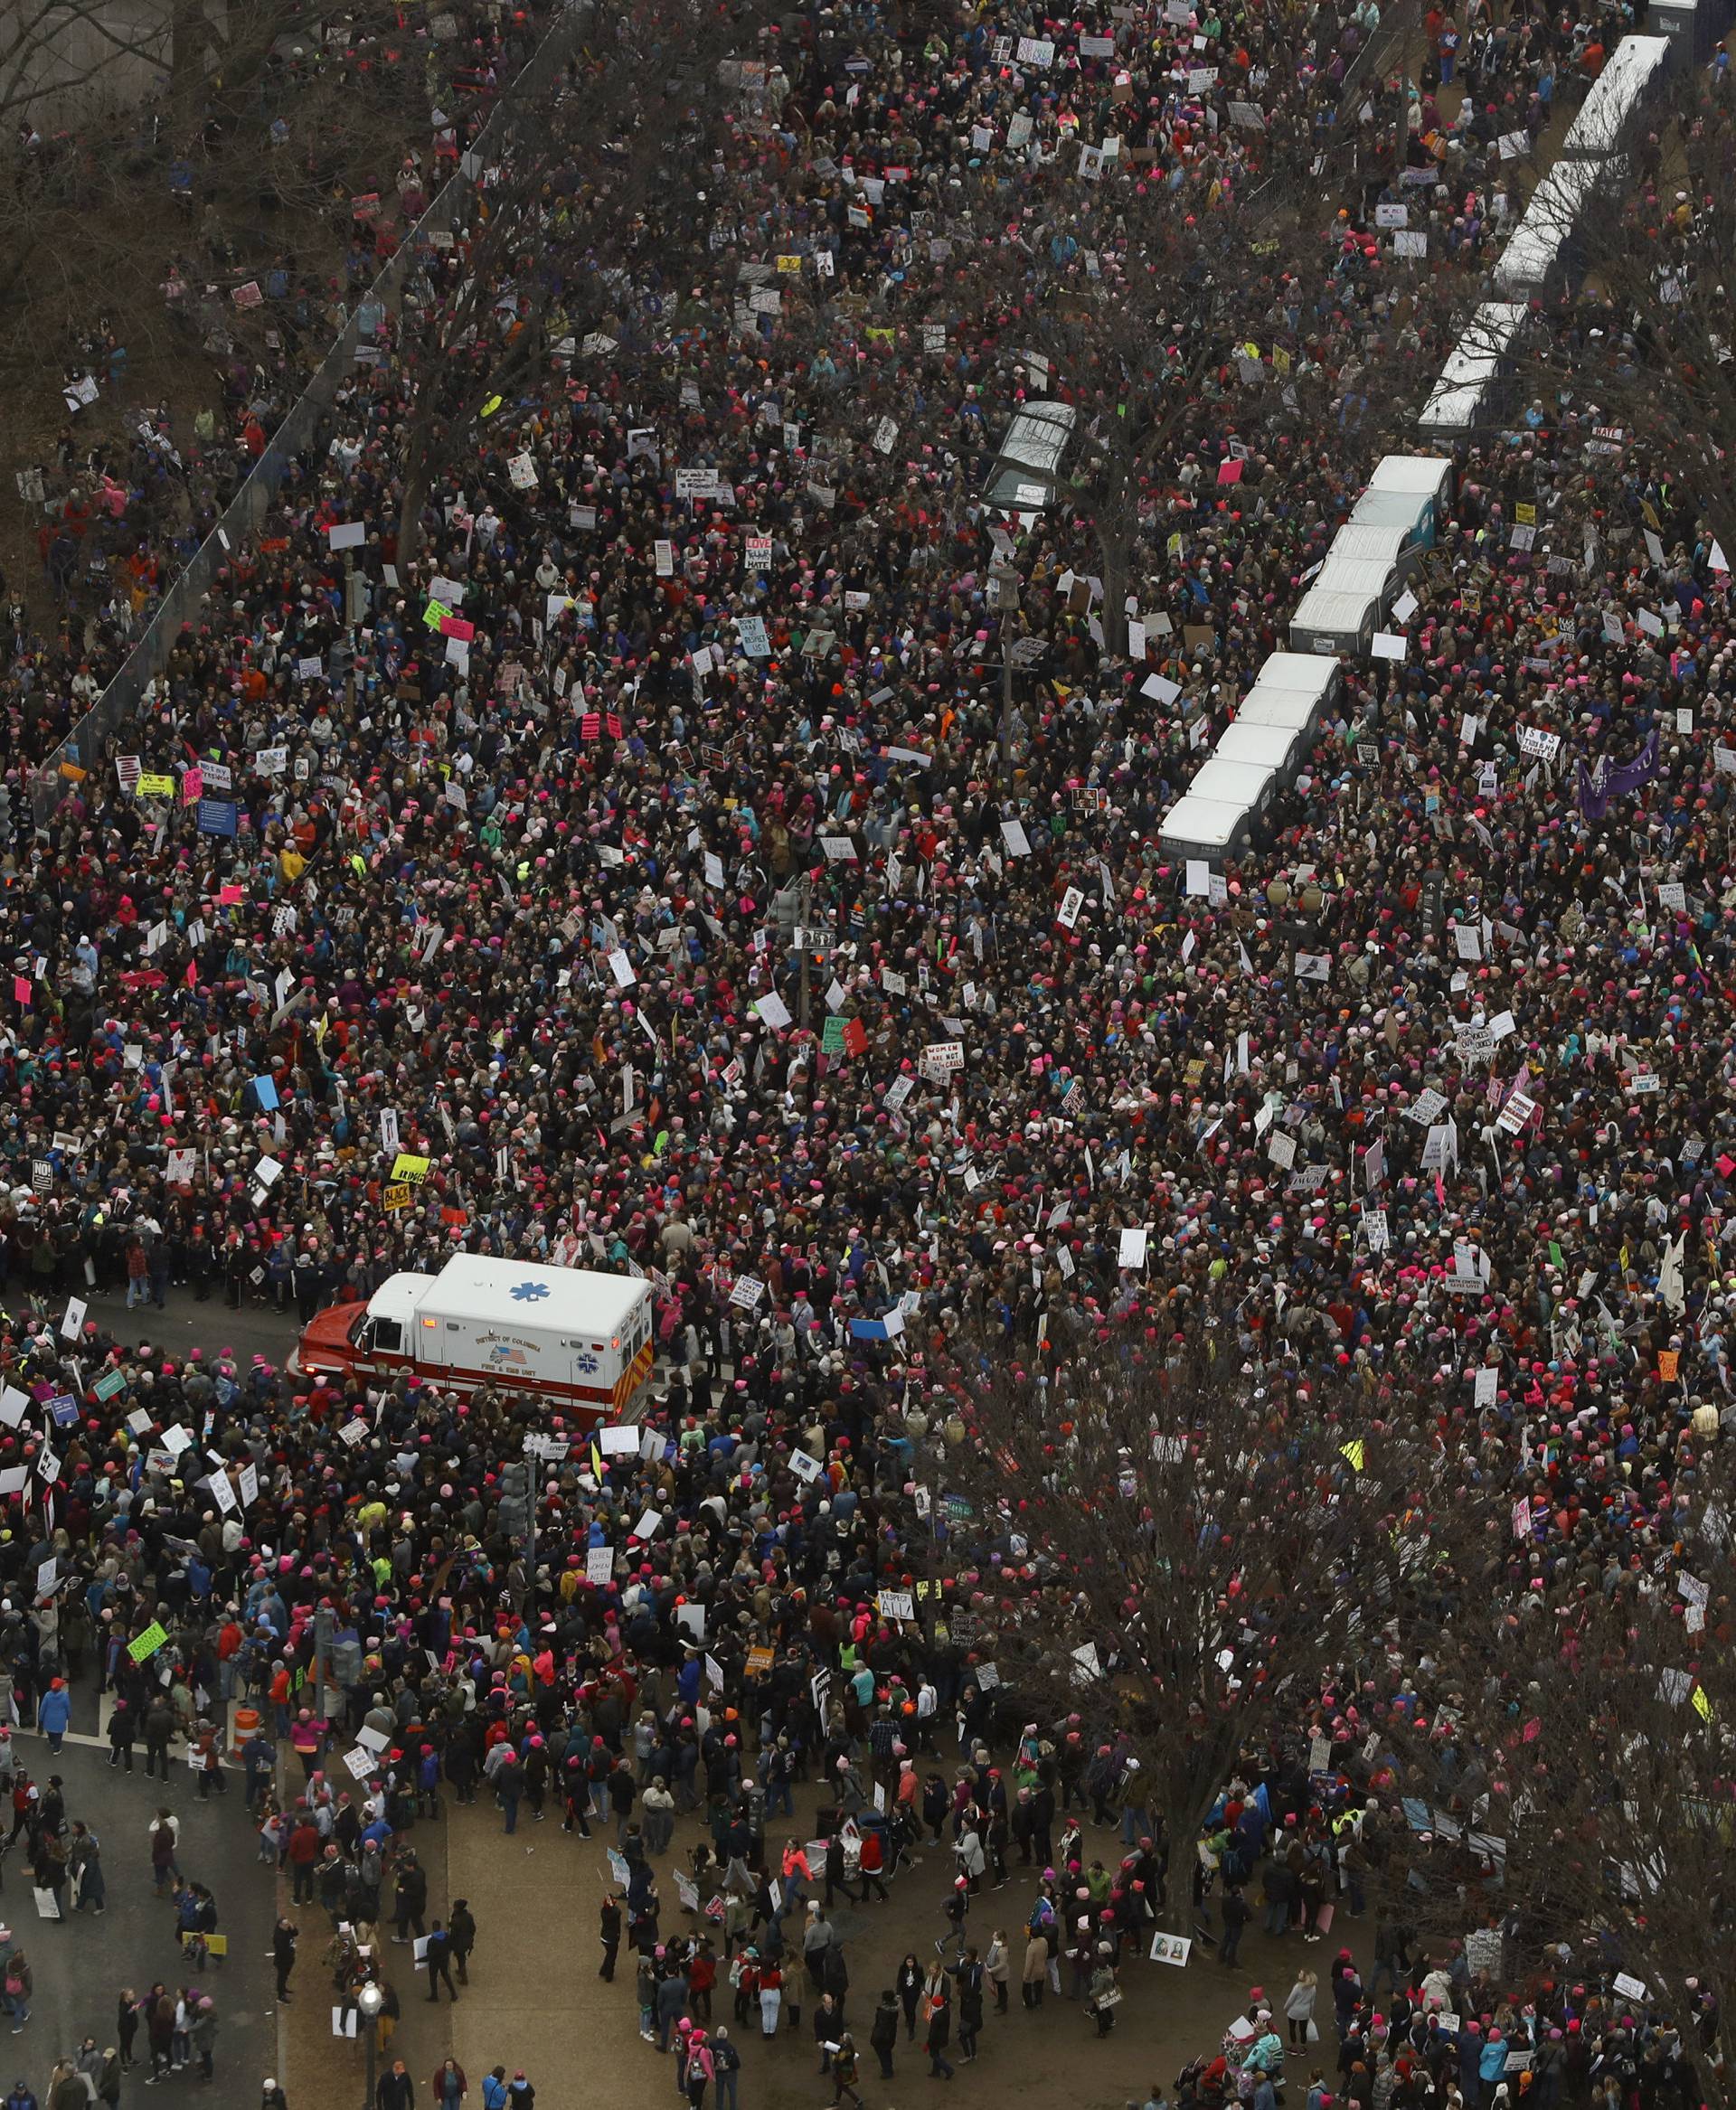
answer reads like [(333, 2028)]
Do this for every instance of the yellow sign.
[(1355, 1452), (396, 1197), (151, 787), (407, 1167), (789, 263), (1702, 1705), (1526, 515)]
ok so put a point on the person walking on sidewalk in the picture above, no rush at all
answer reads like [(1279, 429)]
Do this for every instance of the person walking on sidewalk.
[(843, 2074), (84, 1863), (1035, 1974), (303, 1853), (396, 2090), (1237, 1912), (159, 2026), (462, 1931), (410, 1899), (283, 1953), (20, 1983), (123, 1731), (939, 2034), (54, 1713), (726, 2064), (202, 2034), (882, 2032), (439, 1962), (159, 1730), (1299, 2011), (997, 1968)]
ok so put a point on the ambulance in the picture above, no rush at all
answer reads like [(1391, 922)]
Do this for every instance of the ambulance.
[(564, 1334)]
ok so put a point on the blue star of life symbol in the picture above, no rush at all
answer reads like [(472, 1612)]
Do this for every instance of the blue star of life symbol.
[(528, 1292), (588, 1362)]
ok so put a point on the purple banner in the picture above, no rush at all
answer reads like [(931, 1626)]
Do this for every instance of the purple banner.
[(1596, 788)]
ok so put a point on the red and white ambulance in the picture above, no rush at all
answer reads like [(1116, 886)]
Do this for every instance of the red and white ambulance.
[(564, 1334)]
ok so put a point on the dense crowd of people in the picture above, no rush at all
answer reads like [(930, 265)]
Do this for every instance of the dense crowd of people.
[(646, 862)]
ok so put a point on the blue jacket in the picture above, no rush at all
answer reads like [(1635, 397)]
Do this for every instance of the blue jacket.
[(54, 1711)]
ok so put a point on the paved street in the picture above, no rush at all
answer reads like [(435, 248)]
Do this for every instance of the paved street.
[(535, 1999), (81, 1964), (256, 1329)]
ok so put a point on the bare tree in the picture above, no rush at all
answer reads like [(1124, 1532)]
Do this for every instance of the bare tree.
[(1630, 341), (166, 242), (58, 53), (1187, 1554), (592, 199), (1563, 1761)]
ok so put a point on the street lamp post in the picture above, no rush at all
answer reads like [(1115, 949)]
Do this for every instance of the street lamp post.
[(1303, 926), (322, 1653), (370, 2000)]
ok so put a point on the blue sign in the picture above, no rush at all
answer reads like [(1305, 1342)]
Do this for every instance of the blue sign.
[(528, 1292), (216, 816)]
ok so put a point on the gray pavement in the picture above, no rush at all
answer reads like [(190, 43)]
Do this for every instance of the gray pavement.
[(185, 1323), (81, 1964)]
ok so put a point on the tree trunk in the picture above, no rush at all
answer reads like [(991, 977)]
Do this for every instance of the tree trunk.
[(1112, 548), (1181, 1831), (187, 32), (416, 489)]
